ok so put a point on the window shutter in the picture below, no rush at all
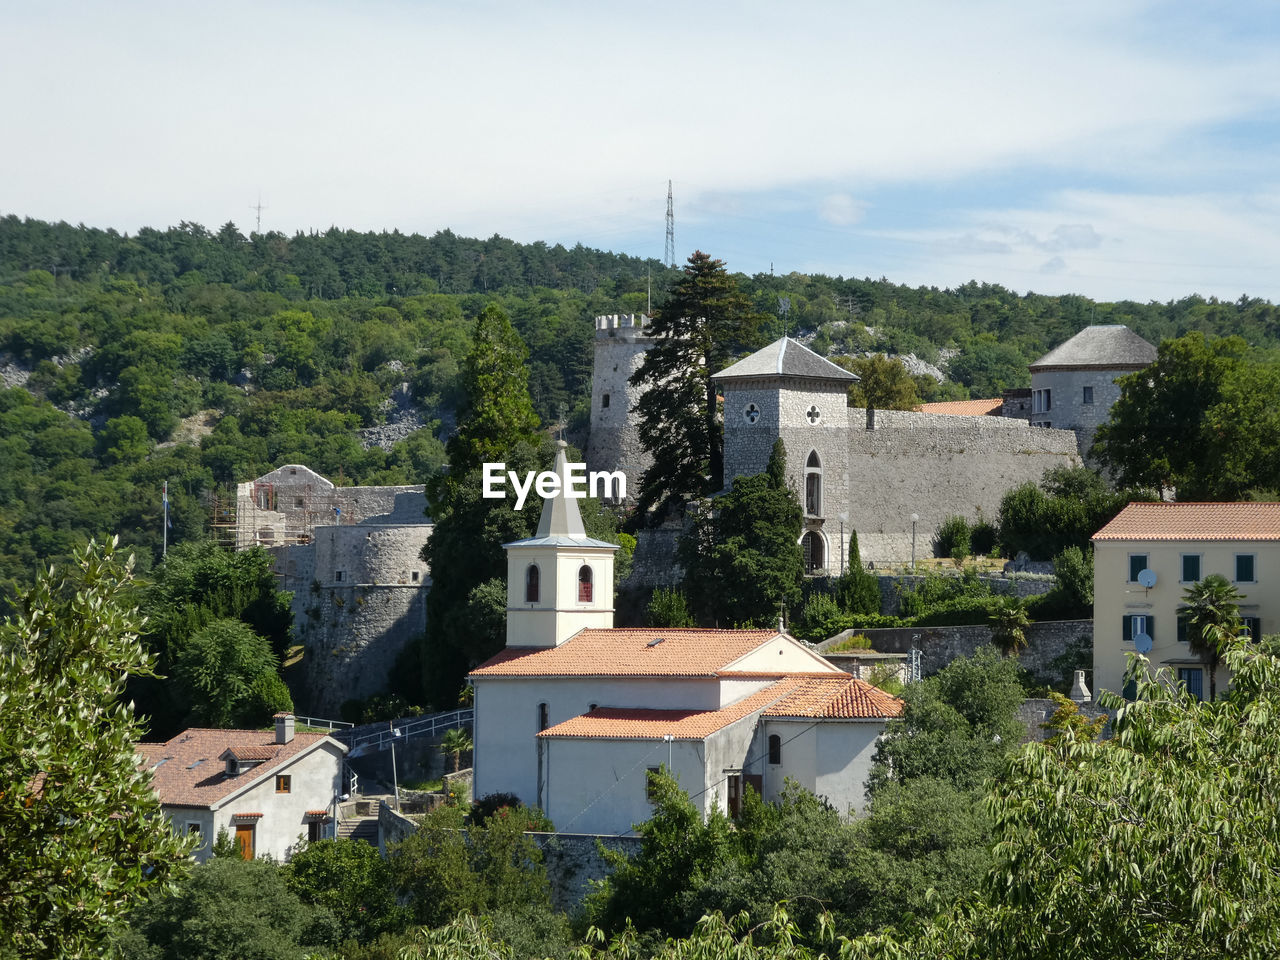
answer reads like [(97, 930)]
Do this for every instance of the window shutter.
[(1126, 631), (1151, 628)]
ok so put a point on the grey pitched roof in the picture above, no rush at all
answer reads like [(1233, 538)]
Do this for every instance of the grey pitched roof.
[(561, 522), (785, 358), (1103, 345)]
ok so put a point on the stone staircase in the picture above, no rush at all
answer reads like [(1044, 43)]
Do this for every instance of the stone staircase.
[(359, 828)]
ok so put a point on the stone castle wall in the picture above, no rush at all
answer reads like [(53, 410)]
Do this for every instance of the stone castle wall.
[(614, 443), (936, 465), (1067, 409)]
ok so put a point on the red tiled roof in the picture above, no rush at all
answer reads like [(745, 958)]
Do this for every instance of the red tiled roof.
[(622, 723), (187, 771), (1194, 521), (836, 698), (815, 696), (622, 652), (317, 813), (968, 408)]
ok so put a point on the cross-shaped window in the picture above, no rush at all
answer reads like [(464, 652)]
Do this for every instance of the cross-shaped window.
[(814, 415), (751, 414)]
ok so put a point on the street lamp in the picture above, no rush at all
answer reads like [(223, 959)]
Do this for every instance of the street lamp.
[(669, 738), (843, 517), (915, 518), (395, 777)]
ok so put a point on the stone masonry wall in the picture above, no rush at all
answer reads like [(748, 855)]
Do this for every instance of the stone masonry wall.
[(892, 588), (614, 443), (1055, 648), (1067, 409), (352, 637), (936, 465)]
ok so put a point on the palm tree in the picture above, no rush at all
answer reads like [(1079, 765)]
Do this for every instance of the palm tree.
[(455, 743), (1009, 625), (1211, 611)]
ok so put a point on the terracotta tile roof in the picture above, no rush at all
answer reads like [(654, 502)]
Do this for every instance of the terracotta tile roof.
[(623, 652), (968, 408), (1194, 521), (624, 723), (317, 813), (836, 698), (187, 771)]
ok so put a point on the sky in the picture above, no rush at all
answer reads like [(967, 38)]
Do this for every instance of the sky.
[(1120, 149)]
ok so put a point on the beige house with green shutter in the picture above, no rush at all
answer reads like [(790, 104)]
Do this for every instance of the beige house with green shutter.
[(1179, 543)]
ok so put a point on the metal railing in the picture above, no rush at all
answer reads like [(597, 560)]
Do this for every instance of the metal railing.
[(421, 726), (322, 722)]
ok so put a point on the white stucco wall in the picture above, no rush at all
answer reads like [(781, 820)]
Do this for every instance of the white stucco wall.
[(831, 758), (558, 614), (782, 654), (506, 723), (316, 778)]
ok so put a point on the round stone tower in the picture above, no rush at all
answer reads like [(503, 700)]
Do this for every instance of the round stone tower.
[(614, 443)]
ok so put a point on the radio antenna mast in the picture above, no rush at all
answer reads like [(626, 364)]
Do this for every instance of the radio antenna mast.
[(669, 255), (258, 208)]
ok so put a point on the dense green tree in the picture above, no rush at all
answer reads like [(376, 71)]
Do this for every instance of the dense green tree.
[(742, 559), (957, 725), (230, 909), (1159, 842), (1064, 510), (1196, 421), (228, 674), (84, 839), (1212, 612), (351, 880), (705, 323), (883, 383), (668, 608)]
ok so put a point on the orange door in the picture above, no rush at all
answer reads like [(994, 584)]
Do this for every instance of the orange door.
[(244, 840)]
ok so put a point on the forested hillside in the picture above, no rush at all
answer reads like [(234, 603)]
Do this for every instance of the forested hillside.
[(209, 357)]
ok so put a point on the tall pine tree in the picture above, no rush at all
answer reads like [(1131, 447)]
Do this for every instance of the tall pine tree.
[(704, 324)]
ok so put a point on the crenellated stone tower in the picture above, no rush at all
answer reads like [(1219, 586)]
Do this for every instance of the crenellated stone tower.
[(620, 345)]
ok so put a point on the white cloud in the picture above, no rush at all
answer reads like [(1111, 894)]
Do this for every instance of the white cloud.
[(841, 210)]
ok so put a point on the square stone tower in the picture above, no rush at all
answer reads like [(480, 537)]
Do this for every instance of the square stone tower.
[(786, 390), (620, 345)]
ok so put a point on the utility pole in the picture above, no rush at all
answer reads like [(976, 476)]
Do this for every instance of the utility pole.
[(669, 255)]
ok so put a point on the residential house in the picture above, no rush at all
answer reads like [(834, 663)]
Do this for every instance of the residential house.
[(267, 789), (574, 713), (1178, 544)]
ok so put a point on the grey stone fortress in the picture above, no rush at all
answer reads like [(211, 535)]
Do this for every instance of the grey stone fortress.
[(891, 475)]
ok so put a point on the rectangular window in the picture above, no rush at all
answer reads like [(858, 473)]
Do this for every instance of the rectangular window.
[(297, 502), (1088, 395), (315, 831), (1137, 563), (604, 402), (1137, 623), (193, 828), (542, 717), (284, 784), (1182, 626), (1193, 677), (1244, 568), (1048, 400), (1190, 567), (337, 576), (1251, 627)]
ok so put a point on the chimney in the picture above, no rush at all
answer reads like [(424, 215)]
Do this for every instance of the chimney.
[(284, 727), (1079, 692)]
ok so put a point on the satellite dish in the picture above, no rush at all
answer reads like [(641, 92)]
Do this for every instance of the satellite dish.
[(1142, 643), (1147, 578)]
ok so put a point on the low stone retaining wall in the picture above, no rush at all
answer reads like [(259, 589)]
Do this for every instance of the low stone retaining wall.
[(1055, 648)]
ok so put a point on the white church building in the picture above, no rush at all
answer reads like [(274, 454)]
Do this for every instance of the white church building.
[(574, 713)]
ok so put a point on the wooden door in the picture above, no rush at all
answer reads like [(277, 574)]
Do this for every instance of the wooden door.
[(244, 840)]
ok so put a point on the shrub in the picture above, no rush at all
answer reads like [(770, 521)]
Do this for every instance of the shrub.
[(1074, 569), (859, 641), (820, 618), (982, 539), (668, 608), (953, 538)]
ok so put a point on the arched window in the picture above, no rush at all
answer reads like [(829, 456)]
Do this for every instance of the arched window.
[(813, 485), (532, 584), (584, 584), (815, 555), (775, 748)]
